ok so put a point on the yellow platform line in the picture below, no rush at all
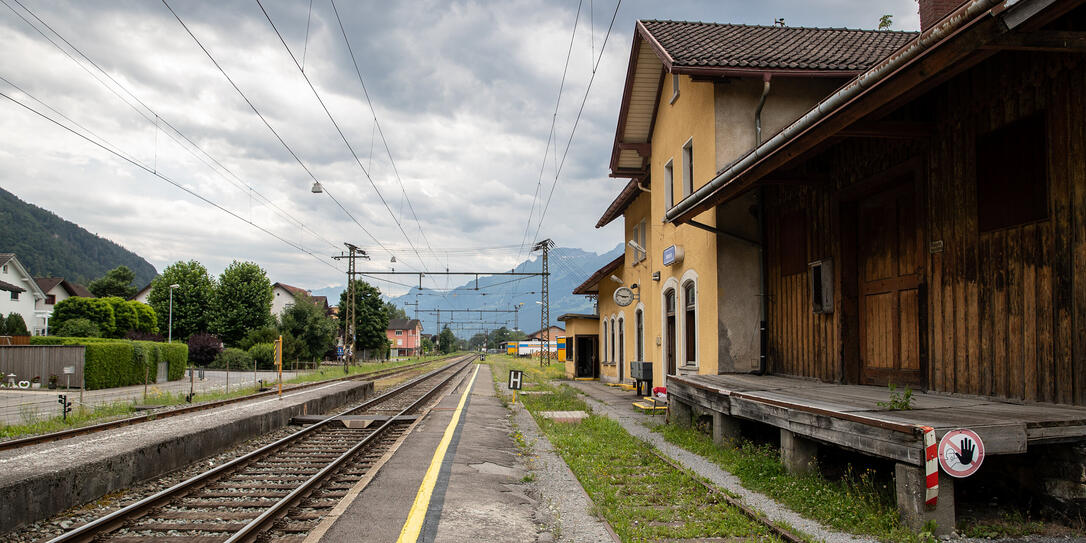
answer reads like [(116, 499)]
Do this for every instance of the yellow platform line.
[(413, 527)]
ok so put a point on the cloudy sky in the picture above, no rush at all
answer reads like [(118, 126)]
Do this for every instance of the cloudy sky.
[(463, 92)]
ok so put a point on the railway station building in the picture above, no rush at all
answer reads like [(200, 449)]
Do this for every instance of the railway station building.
[(815, 215)]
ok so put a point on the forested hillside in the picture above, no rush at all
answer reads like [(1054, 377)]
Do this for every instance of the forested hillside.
[(51, 246)]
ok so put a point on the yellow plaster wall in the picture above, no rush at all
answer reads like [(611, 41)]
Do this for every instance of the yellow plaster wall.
[(690, 116), (609, 370)]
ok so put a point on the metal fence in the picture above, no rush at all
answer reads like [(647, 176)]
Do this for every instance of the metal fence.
[(25, 362)]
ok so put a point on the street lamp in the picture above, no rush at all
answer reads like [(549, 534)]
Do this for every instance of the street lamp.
[(173, 286)]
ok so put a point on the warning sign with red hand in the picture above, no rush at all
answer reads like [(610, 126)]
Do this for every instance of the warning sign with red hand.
[(961, 452)]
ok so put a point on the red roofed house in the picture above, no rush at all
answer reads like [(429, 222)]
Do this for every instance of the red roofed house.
[(405, 337)]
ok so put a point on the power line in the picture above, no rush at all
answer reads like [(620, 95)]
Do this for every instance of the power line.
[(164, 178), (339, 131), (266, 123), (569, 142), (155, 121)]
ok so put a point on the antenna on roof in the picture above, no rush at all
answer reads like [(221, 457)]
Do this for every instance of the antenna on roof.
[(779, 22)]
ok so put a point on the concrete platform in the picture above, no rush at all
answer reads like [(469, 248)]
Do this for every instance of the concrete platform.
[(43, 480), (479, 494)]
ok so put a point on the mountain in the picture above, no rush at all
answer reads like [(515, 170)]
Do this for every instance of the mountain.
[(569, 268), (50, 246)]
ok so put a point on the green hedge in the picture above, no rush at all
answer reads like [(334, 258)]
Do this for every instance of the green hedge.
[(120, 362)]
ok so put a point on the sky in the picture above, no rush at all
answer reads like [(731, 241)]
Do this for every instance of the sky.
[(448, 158)]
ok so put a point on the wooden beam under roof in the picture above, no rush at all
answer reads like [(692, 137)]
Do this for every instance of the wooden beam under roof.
[(888, 130), (1045, 41)]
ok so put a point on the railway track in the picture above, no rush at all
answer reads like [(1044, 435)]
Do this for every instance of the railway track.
[(280, 491), (111, 425)]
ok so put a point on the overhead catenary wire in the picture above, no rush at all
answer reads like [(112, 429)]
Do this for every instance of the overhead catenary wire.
[(151, 116), (151, 171), (266, 123)]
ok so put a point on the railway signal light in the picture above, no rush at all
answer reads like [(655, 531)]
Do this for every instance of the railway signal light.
[(65, 405)]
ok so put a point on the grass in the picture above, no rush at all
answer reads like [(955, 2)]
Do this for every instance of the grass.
[(35, 424), (640, 495), (858, 503)]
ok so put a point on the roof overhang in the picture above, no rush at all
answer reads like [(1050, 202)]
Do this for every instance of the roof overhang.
[(575, 316), (629, 193), (967, 36), (589, 286)]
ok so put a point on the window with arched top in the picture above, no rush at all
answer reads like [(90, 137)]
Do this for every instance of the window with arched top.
[(690, 320), (669, 330), (613, 340), (604, 354), (621, 342), (639, 323)]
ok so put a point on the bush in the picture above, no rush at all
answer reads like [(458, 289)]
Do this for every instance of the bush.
[(233, 359), (264, 334), (138, 335), (78, 328), (177, 358), (98, 311), (15, 325), (148, 320), (203, 348), (125, 317), (263, 354)]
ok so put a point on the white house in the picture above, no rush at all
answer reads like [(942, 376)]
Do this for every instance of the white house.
[(143, 295), (283, 295), (56, 289), (19, 293)]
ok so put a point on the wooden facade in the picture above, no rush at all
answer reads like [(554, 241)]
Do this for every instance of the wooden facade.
[(948, 275)]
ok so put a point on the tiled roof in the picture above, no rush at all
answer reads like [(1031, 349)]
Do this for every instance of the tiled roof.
[(291, 289), (10, 287), (571, 316), (696, 44), (589, 286), (629, 193), (47, 283), (4, 257), (402, 324), (80, 290)]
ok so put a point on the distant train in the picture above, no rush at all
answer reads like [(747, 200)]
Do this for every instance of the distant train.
[(532, 347)]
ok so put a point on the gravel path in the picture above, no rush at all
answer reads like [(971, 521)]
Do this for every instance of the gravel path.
[(604, 402)]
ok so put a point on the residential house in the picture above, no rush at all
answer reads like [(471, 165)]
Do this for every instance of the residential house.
[(924, 225), (553, 331), (697, 96), (19, 293), (143, 294), (405, 337), (56, 289)]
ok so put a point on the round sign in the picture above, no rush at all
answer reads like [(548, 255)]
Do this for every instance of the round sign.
[(961, 453), (623, 296)]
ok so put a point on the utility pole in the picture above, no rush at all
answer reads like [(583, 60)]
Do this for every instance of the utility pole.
[(349, 331), (545, 310)]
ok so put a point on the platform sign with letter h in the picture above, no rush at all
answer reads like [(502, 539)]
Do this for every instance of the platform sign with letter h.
[(516, 379)]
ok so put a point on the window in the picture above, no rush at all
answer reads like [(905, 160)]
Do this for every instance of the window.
[(639, 322), (50, 299), (1012, 180), (669, 331), (638, 236), (5, 268), (690, 324), (399, 332), (643, 242), (621, 341), (604, 341), (613, 340), (14, 295), (674, 88), (669, 179), (688, 168)]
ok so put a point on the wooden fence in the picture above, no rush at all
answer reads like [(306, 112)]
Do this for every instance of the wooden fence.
[(14, 340), (29, 361)]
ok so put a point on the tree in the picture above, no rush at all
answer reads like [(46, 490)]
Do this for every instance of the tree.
[(242, 301), (96, 310), (191, 300), (427, 345), (886, 21), (446, 341), (371, 317), (394, 311), (203, 348), (116, 282), (3, 325), (14, 325), (501, 335), (308, 331), (477, 341)]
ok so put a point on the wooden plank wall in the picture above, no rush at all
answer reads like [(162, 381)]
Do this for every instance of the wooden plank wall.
[(1006, 310)]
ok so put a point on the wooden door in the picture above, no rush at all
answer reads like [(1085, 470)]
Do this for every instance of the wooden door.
[(890, 270)]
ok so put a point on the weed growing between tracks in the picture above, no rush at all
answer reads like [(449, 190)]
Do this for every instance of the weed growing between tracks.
[(80, 416), (640, 495)]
